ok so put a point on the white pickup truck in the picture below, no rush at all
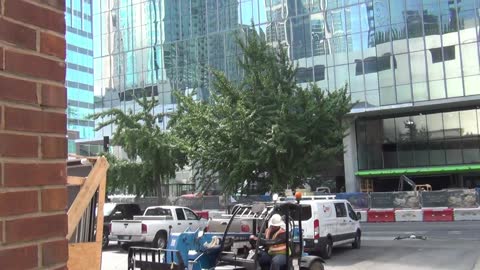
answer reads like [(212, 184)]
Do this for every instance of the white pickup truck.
[(155, 225)]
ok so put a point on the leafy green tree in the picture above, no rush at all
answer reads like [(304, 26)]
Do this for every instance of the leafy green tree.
[(154, 155), (263, 128), (121, 172)]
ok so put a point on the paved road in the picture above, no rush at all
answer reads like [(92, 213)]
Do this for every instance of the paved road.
[(114, 258), (449, 245)]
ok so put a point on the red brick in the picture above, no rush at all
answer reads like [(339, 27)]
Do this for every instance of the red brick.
[(35, 66), (53, 147), (55, 252), (19, 258), (58, 4), (2, 113), (18, 90), (52, 45), (1, 174), (37, 228), (54, 199), (18, 203), (1, 58), (18, 34), (25, 175), (18, 145), (1, 232), (35, 15), (35, 121), (54, 96)]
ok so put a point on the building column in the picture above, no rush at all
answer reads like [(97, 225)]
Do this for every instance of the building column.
[(352, 182)]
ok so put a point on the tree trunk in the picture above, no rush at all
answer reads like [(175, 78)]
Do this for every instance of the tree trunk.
[(159, 189), (167, 186)]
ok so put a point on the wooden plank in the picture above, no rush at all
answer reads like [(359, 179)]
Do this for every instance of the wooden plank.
[(101, 202), (84, 196), (75, 180), (84, 256)]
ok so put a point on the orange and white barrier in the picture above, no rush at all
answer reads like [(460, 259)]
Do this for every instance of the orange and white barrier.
[(381, 215), (437, 214), (408, 215), (461, 214)]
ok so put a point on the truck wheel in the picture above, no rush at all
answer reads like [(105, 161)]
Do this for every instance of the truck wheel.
[(160, 240), (326, 251), (316, 265), (125, 246), (356, 244)]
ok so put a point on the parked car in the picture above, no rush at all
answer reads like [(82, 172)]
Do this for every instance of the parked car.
[(117, 211), (155, 226)]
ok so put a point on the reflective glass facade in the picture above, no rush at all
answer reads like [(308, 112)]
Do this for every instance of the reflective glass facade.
[(157, 46), (79, 78), (420, 140), (392, 53), (420, 54)]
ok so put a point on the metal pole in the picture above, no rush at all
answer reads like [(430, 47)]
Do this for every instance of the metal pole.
[(287, 236), (300, 231)]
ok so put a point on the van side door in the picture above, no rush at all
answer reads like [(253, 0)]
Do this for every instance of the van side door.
[(341, 220)]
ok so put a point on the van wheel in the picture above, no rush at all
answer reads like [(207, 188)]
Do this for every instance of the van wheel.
[(160, 240), (326, 251), (358, 240)]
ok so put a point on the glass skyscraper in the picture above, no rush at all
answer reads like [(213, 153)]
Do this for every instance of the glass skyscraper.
[(79, 78), (411, 66)]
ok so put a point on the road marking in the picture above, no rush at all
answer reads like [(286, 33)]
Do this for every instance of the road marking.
[(454, 232)]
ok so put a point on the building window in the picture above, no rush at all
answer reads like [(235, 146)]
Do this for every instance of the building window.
[(448, 54), (419, 140), (375, 64), (319, 72)]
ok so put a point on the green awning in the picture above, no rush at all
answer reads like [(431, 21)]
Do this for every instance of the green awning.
[(421, 170)]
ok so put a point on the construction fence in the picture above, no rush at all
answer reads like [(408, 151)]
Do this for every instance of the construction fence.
[(451, 198)]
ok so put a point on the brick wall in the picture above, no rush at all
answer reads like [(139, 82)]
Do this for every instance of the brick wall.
[(33, 145)]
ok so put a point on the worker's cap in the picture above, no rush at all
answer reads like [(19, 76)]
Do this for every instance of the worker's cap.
[(276, 220)]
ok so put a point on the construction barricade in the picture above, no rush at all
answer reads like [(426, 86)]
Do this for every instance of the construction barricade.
[(408, 215), (460, 214), (381, 215), (437, 214)]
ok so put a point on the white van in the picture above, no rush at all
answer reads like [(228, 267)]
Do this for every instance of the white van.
[(331, 223)]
